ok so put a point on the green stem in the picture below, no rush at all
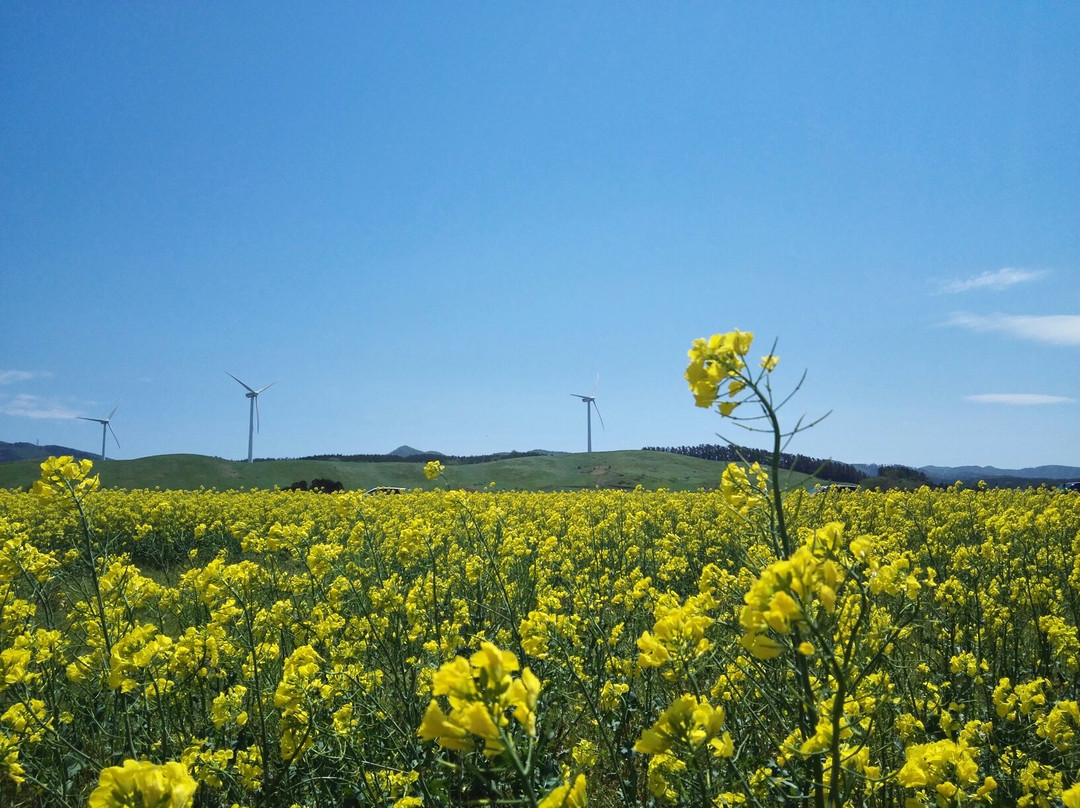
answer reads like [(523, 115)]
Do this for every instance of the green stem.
[(783, 541), (91, 562), (521, 768)]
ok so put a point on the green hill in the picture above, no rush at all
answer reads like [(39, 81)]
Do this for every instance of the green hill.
[(625, 469)]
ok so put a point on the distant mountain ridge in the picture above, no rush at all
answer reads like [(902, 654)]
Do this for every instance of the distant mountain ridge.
[(947, 475), (408, 451), (950, 474), (10, 452)]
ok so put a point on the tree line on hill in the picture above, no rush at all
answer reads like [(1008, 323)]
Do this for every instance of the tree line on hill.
[(830, 470), (888, 477), (904, 478)]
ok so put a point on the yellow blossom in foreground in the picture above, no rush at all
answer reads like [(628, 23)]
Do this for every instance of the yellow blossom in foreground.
[(1071, 796), (65, 475), (433, 469), (483, 695), (141, 784), (936, 764), (690, 722), (438, 727), (778, 600), (9, 759), (566, 795), (678, 634), (13, 662)]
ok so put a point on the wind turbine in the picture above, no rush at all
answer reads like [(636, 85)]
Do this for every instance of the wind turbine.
[(253, 410), (105, 426), (590, 405)]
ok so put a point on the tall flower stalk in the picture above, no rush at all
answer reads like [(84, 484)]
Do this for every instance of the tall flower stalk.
[(811, 607)]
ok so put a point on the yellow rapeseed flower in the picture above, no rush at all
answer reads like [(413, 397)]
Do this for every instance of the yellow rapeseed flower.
[(690, 722), (438, 727), (483, 695), (141, 784), (1071, 796), (714, 361), (567, 795)]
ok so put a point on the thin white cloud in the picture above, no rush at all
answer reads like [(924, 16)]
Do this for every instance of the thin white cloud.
[(1020, 399), (13, 376), (1056, 329), (995, 281), (28, 406)]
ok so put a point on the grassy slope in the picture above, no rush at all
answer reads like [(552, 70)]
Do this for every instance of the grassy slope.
[(563, 472)]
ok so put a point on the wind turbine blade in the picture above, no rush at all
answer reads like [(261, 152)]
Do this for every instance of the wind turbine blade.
[(239, 382), (598, 415), (263, 388), (578, 395), (111, 414), (258, 427), (113, 434), (84, 418)]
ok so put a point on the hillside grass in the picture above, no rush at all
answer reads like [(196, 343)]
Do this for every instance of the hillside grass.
[(622, 469)]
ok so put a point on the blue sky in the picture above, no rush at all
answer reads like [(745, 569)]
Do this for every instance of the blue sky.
[(431, 223)]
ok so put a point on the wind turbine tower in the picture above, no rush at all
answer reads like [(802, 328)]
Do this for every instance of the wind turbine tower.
[(105, 426), (590, 405), (253, 410)]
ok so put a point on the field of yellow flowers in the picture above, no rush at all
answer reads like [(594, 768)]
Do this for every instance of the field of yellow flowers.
[(727, 648), (450, 648)]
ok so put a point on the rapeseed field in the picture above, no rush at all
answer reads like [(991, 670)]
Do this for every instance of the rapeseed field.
[(743, 646)]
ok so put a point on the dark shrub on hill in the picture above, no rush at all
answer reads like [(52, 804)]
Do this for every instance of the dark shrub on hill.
[(323, 486)]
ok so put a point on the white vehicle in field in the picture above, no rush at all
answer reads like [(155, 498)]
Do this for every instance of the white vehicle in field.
[(823, 487)]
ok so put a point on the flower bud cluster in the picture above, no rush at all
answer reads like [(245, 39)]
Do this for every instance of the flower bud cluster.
[(719, 362), (716, 361)]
